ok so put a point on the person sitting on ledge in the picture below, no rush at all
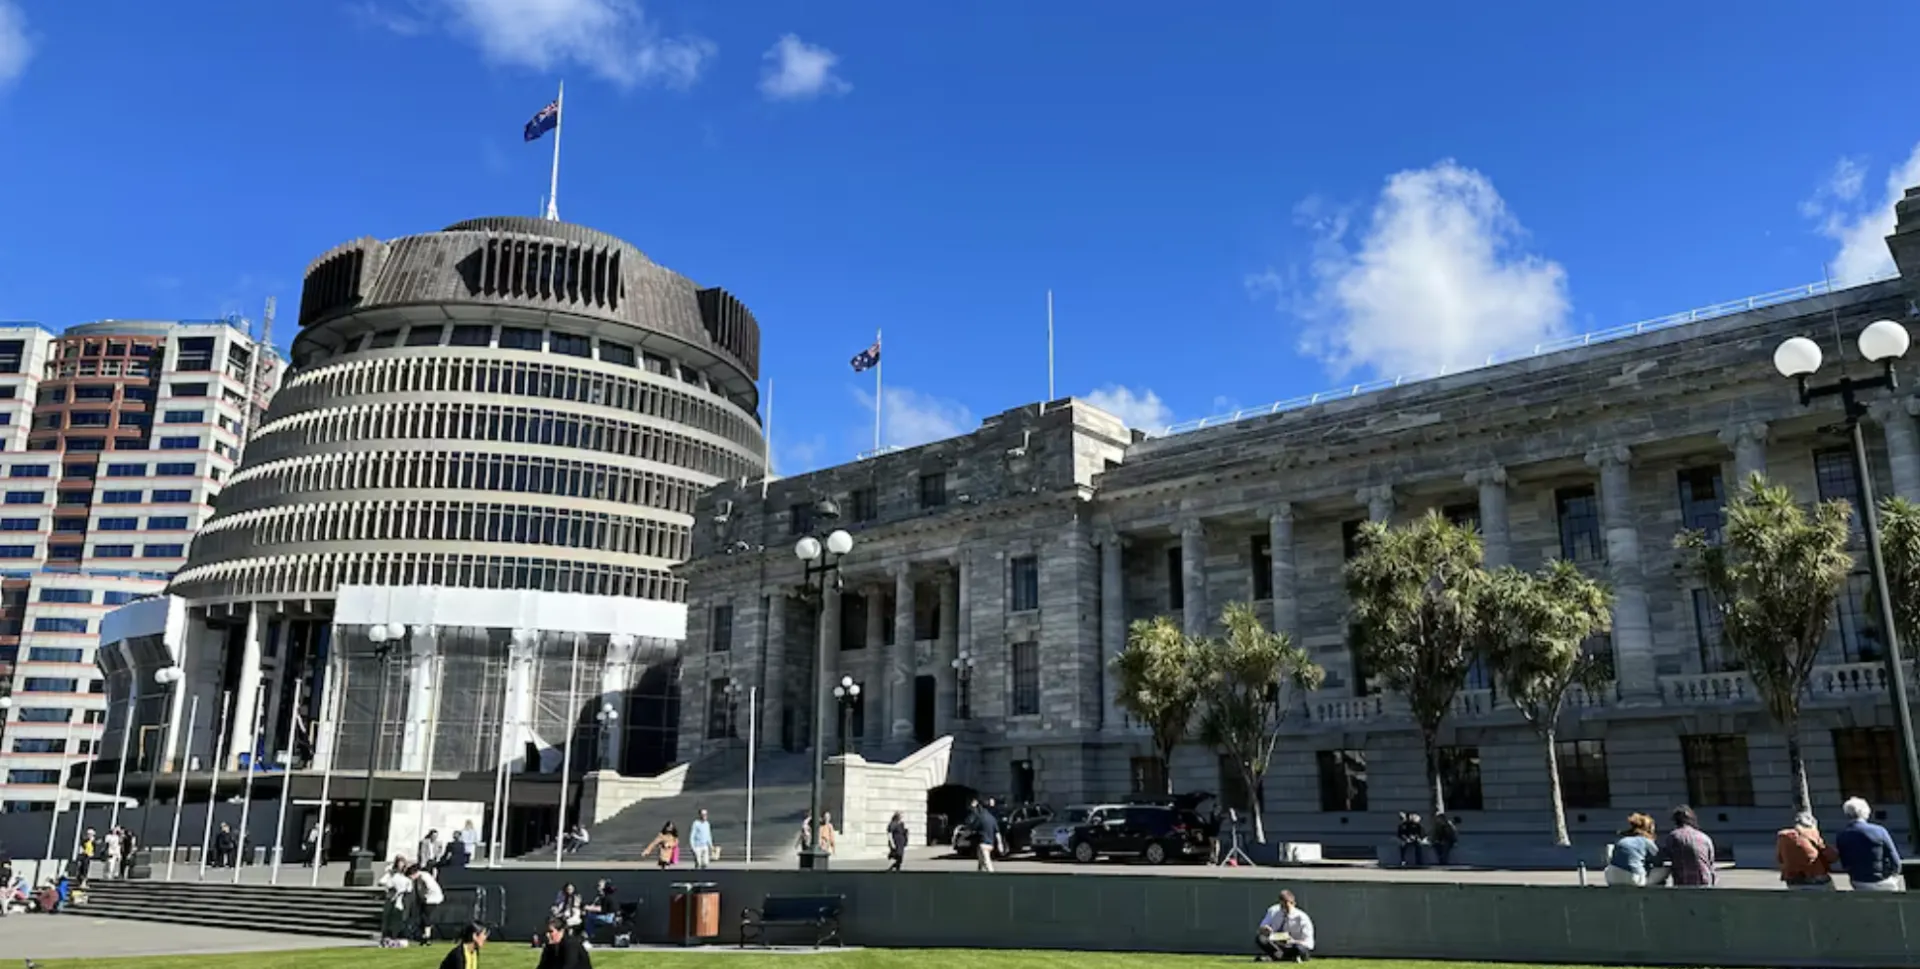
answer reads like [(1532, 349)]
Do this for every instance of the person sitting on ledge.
[(1285, 933), (1867, 851), (1631, 863)]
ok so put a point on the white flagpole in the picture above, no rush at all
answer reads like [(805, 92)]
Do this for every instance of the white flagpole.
[(1049, 346), (766, 437), (566, 754), (753, 751), (180, 795), (517, 728), (120, 776), (553, 185), (331, 729), (59, 793), (499, 805), (246, 790), (213, 786), (286, 785), (86, 791), (877, 399), (426, 774)]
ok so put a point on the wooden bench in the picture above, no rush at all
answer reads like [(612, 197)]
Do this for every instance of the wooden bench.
[(818, 913)]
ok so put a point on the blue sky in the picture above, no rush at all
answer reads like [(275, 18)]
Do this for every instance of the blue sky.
[(1234, 202)]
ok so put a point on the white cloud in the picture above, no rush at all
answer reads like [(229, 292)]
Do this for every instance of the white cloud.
[(1143, 410), (911, 418), (1860, 229), (16, 48), (1437, 279), (797, 70), (612, 39)]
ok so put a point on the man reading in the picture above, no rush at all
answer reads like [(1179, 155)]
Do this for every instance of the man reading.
[(1285, 933)]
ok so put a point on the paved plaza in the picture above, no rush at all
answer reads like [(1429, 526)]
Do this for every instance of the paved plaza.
[(47, 937)]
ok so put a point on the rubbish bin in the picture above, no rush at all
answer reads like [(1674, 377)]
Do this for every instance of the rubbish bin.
[(693, 912)]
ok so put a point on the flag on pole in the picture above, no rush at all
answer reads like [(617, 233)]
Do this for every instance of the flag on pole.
[(867, 359), (547, 120)]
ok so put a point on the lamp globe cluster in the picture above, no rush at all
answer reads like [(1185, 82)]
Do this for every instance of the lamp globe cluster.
[(1883, 341)]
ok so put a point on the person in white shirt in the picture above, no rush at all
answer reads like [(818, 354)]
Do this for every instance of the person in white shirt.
[(428, 896), (1285, 933)]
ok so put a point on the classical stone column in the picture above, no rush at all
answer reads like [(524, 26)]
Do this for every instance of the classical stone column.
[(1632, 626), (1895, 417), (616, 678), (1379, 501), (963, 628), (876, 716), (1193, 576), (516, 714), (1749, 445), (1113, 623), (944, 651), (1494, 535), (898, 686), (246, 694), (422, 695), (1286, 597), (773, 684)]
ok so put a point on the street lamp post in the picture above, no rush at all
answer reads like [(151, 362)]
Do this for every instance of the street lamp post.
[(386, 641), (141, 864), (847, 694), (732, 691), (1882, 343), (963, 673), (609, 719), (820, 561)]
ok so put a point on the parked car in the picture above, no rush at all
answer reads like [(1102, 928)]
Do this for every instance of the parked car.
[(1017, 825), (1057, 837), (1156, 830)]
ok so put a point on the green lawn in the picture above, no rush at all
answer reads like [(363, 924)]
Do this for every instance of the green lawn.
[(507, 956)]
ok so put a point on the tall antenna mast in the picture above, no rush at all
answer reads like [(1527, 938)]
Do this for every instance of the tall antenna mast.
[(260, 379)]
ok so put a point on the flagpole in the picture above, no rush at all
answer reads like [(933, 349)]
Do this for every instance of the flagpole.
[(286, 784), (1049, 345), (332, 704), (877, 400), (566, 755), (180, 794), (213, 785), (246, 790), (426, 774), (553, 184), (753, 753), (59, 794), (766, 441)]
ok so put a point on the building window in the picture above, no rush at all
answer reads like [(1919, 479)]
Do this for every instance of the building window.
[(119, 524), (46, 715), (618, 354), (719, 709), (33, 777), (1147, 776), (471, 335), (933, 489), (1466, 514), (1176, 582), (1869, 764), (49, 684), (17, 551), (424, 336), (1357, 663), (1702, 502), (1460, 778), (1350, 537), (1343, 780), (31, 471), (113, 551), (167, 523), (1260, 551), (39, 745), (1714, 657), (1578, 510), (121, 497), (1855, 624), (126, 470), (55, 654), (722, 629), (65, 551), (179, 443), (59, 624), (174, 469), (1833, 475), (1600, 647), (863, 505), (184, 417), (26, 497), (800, 519), (1718, 774), (853, 620), (166, 551), (1583, 774), (571, 345), (1026, 679), (164, 496), (1024, 596), (19, 524), (66, 595), (519, 338), (119, 598)]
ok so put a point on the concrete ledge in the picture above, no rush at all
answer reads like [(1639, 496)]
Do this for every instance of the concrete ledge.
[(1506, 856), (1213, 915)]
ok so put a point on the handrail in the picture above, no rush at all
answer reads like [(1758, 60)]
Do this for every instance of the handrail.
[(1715, 311)]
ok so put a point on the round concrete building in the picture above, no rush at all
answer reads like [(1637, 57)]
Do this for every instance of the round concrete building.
[(450, 545)]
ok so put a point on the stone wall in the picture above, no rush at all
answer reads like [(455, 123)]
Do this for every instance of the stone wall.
[(604, 794), (863, 797)]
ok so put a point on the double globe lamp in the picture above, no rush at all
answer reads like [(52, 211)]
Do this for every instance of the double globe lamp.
[(819, 559)]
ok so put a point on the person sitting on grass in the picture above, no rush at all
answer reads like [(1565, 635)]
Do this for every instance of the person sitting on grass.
[(563, 950), (465, 953), (1285, 933)]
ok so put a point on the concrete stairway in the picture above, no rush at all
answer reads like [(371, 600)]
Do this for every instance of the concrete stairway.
[(718, 784), (345, 913)]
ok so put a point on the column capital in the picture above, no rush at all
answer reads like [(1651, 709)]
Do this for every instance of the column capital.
[(901, 571), (1282, 510), (1187, 523), (1378, 499), (1611, 455), (1754, 432), (1481, 477), (1887, 409)]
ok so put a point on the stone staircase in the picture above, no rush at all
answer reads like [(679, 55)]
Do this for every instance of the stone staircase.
[(344, 913), (719, 784)]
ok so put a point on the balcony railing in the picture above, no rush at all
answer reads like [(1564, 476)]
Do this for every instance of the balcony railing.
[(1838, 681)]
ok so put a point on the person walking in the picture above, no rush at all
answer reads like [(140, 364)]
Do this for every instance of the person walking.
[(827, 833), (700, 839), (986, 829), (896, 842), (1445, 835), (428, 897), (465, 953), (666, 844), (225, 847), (1866, 851)]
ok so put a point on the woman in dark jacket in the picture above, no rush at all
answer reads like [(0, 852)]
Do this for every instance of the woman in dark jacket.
[(896, 841), (466, 953)]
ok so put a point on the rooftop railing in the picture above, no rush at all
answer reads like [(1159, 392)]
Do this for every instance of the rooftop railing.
[(1715, 311)]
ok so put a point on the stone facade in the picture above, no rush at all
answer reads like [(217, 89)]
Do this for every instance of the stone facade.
[(1040, 536)]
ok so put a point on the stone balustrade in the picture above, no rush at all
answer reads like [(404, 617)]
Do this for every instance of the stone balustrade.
[(1830, 681)]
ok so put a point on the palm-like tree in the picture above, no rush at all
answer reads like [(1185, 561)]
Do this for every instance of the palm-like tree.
[(1411, 593), (1250, 678), (1773, 579), (1900, 552), (1533, 630), (1159, 674)]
